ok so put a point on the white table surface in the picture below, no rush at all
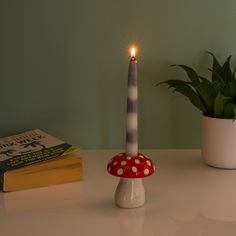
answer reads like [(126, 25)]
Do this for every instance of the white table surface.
[(184, 198)]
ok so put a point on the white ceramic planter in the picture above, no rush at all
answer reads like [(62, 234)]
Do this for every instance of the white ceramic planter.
[(219, 142), (130, 193)]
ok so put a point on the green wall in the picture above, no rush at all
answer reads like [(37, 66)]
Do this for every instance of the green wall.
[(63, 66)]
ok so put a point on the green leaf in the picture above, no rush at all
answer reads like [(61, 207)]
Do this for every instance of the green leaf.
[(226, 70), (217, 76), (221, 72), (216, 67), (234, 71), (193, 76), (230, 111), (184, 88), (220, 103), (229, 90), (219, 83), (218, 86), (208, 94), (203, 79)]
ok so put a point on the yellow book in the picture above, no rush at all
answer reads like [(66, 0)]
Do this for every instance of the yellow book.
[(37, 159)]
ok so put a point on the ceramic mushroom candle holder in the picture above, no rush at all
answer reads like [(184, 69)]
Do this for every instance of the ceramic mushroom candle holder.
[(130, 192)]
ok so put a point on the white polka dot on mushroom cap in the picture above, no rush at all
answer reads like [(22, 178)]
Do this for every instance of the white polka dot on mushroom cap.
[(120, 171), (128, 158), (114, 163), (134, 169), (109, 169), (137, 161), (141, 156), (123, 163), (148, 163), (146, 171)]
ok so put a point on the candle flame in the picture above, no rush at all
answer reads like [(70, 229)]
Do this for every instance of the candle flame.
[(133, 52)]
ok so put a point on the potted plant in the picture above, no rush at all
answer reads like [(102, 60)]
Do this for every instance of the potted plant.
[(216, 99)]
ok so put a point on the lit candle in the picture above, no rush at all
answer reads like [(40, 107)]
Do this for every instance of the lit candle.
[(132, 108), (131, 166)]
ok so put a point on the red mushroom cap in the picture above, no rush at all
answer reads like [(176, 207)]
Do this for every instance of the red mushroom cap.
[(124, 166)]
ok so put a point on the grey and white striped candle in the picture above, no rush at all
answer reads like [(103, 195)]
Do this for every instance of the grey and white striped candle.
[(132, 108)]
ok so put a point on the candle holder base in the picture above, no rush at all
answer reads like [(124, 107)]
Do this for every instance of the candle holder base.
[(130, 193), (131, 169)]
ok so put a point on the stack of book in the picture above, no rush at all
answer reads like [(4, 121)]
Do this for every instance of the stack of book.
[(36, 159)]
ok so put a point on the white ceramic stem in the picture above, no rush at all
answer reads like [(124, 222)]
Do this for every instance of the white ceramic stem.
[(130, 193)]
